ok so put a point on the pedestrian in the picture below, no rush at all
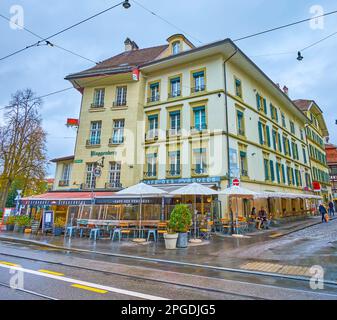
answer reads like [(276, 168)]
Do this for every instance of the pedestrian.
[(262, 218), (331, 209), (323, 212)]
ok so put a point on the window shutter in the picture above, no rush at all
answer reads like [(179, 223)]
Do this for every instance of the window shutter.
[(274, 139), (266, 170), (265, 105), (283, 174), (261, 133), (279, 142), (268, 136), (278, 173), (272, 172), (276, 114), (258, 102), (289, 147), (293, 175)]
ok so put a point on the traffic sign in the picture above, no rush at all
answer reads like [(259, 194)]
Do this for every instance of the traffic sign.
[(236, 182)]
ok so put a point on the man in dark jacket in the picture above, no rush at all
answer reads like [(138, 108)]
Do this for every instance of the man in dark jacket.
[(331, 209), (323, 212)]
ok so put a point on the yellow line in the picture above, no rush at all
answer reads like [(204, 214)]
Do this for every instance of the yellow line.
[(78, 286), (51, 272), (9, 264), (276, 235)]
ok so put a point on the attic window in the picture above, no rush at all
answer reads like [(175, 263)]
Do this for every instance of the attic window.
[(176, 47)]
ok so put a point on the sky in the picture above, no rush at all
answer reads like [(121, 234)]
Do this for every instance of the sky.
[(203, 21)]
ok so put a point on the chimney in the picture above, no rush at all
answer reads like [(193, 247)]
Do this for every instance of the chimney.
[(286, 90), (130, 45)]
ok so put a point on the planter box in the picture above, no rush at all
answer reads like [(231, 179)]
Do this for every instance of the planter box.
[(182, 242), (171, 241), (57, 232), (10, 227), (19, 229)]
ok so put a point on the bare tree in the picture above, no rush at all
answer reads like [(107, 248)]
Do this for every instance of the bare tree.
[(22, 143)]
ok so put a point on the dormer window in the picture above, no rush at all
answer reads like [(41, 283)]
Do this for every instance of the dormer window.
[(176, 47)]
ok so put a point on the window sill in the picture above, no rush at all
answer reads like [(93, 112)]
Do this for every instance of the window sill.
[(93, 146), (114, 145), (121, 108), (97, 109), (204, 175)]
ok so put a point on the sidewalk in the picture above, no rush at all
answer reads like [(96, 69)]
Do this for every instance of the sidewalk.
[(216, 252)]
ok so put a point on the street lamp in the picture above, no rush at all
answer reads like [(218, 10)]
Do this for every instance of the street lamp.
[(126, 4), (17, 199)]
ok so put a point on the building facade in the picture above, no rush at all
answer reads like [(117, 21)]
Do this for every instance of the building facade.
[(175, 114), (331, 154)]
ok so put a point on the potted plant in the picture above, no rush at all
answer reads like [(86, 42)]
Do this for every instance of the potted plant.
[(58, 226), (21, 223), (180, 221), (10, 223)]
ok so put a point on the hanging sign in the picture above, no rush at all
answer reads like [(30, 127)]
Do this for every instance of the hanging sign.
[(135, 74), (316, 186)]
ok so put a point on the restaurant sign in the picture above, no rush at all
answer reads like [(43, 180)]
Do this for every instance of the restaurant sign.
[(127, 201), (103, 153), (183, 181), (58, 202)]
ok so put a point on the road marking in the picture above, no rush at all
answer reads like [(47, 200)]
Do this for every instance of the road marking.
[(9, 264), (51, 272), (78, 286), (277, 268), (84, 283)]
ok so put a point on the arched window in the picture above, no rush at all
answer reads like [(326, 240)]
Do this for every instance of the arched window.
[(176, 47)]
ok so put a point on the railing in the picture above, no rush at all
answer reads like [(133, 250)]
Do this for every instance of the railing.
[(64, 183), (151, 174), (151, 135), (198, 129), (199, 172), (174, 94), (173, 132), (121, 103), (241, 132), (116, 141), (244, 173), (94, 143), (198, 89), (153, 99), (173, 173), (113, 185), (96, 106), (86, 186)]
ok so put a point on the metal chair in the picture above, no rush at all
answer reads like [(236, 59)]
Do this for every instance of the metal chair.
[(152, 232), (205, 233), (125, 230), (162, 229)]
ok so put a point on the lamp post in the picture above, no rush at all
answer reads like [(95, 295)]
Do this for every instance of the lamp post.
[(17, 199), (97, 172)]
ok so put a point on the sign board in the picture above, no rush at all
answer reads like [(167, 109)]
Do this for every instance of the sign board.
[(104, 153), (214, 180), (236, 182), (47, 220), (72, 122), (135, 74), (78, 161), (316, 186), (97, 172)]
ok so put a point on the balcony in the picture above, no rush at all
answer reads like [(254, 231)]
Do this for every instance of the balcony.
[(64, 183), (173, 132), (86, 186), (119, 104), (173, 173), (113, 141), (241, 132), (195, 129), (152, 135), (244, 173), (174, 95), (93, 143), (153, 99), (114, 185), (198, 89)]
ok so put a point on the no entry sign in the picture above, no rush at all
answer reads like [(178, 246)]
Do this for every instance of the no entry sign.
[(236, 182)]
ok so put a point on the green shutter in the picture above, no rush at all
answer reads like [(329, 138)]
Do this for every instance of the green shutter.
[(279, 142), (258, 101), (293, 174), (266, 169), (276, 114), (274, 139), (265, 105), (283, 174), (261, 133), (272, 172), (268, 136), (278, 173)]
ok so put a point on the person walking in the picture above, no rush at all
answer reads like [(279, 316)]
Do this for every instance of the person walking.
[(323, 212), (331, 209)]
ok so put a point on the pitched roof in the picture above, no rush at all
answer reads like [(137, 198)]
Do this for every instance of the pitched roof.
[(125, 60), (63, 159), (303, 104)]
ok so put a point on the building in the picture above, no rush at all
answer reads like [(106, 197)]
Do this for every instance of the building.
[(331, 154), (176, 113), (316, 134)]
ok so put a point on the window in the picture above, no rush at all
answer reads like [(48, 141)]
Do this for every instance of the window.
[(95, 133), (152, 127), (175, 87), (275, 138), (272, 171), (115, 175), (284, 124), (240, 123), (174, 164), (292, 127), (65, 175), (302, 134), (278, 172), (266, 169), (238, 88), (154, 92), (243, 164), (264, 134), (121, 93), (304, 155), (199, 161), (90, 177), (118, 132), (198, 81), (175, 122), (274, 113), (199, 114), (151, 162), (98, 98), (295, 150), (261, 103), (176, 47)]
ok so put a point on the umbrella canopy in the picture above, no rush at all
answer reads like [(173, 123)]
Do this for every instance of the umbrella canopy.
[(238, 192), (283, 195), (194, 189), (141, 189)]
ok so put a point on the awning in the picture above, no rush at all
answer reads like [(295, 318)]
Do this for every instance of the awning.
[(284, 195)]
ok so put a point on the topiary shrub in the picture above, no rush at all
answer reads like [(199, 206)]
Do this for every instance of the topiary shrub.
[(181, 219)]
